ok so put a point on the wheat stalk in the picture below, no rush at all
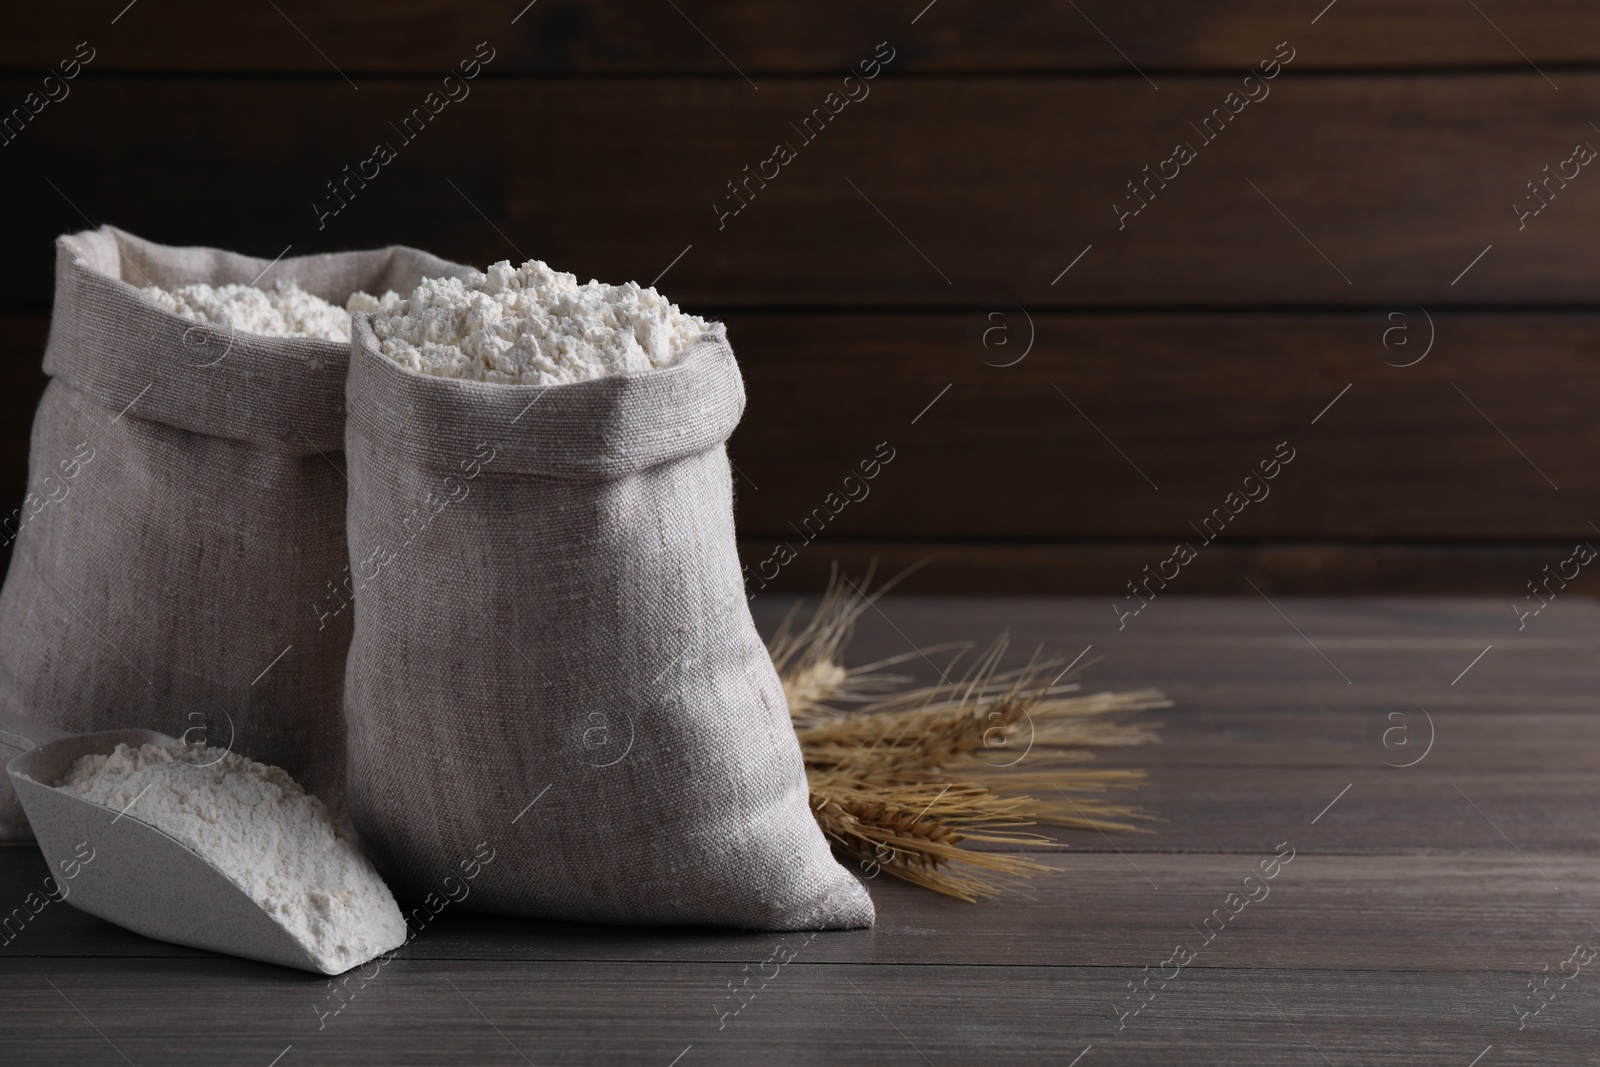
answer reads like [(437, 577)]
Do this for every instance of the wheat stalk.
[(902, 777)]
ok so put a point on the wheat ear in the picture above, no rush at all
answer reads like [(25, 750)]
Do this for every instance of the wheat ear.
[(901, 777)]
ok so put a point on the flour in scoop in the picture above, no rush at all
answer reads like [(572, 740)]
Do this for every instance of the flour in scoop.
[(257, 826), (285, 310), (531, 325)]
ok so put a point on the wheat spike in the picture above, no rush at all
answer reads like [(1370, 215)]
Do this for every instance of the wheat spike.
[(901, 777)]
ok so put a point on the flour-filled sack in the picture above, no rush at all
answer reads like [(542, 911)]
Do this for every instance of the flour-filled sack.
[(553, 660), (178, 563)]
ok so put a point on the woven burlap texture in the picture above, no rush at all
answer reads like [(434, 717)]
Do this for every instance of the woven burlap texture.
[(177, 561), (554, 662)]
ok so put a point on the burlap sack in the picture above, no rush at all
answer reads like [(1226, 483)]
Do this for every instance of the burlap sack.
[(177, 560), (553, 656)]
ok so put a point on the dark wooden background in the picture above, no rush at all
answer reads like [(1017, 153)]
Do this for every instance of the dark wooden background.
[(859, 283)]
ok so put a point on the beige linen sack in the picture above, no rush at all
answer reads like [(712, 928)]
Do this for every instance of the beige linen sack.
[(177, 561), (553, 657)]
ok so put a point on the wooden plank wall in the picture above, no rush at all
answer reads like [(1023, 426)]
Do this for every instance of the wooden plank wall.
[(950, 267)]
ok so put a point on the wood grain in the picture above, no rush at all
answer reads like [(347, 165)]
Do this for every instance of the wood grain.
[(1251, 654), (1016, 452), (623, 37), (1116, 427), (1294, 700), (1405, 929), (428, 1013), (931, 192), (1100, 911), (1429, 494), (1078, 568), (876, 290)]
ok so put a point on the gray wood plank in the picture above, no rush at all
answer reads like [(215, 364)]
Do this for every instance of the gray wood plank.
[(1266, 729), (1372, 566), (1101, 910), (1210, 653), (1002, 461), (622, 37), (1390, 732), (1344, 156), (1018, 532), (1177, 620), (209, 1012), (1418, 906), (1385, 811)]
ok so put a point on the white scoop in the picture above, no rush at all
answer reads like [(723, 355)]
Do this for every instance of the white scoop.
[(141, 878)]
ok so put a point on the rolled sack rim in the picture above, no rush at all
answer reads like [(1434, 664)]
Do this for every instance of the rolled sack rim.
[(134, 358), (604, 427)]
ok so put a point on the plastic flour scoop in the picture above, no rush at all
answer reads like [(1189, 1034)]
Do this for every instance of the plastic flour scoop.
[(140, 878)]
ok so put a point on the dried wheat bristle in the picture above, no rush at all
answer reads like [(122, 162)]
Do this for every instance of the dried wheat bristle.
[(901, 777)]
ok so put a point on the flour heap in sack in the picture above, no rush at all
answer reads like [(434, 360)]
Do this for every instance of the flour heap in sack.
[(531, 325), (285, 310)]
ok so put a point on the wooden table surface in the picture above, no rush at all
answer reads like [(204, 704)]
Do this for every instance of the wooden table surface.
[(1421, 902)]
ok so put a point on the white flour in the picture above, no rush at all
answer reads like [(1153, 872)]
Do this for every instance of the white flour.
[(269, 836), (534, 326), (285, 310)]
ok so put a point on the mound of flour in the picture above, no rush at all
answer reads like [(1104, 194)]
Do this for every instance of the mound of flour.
[(269, 836), (285, 310), (531, 325)]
